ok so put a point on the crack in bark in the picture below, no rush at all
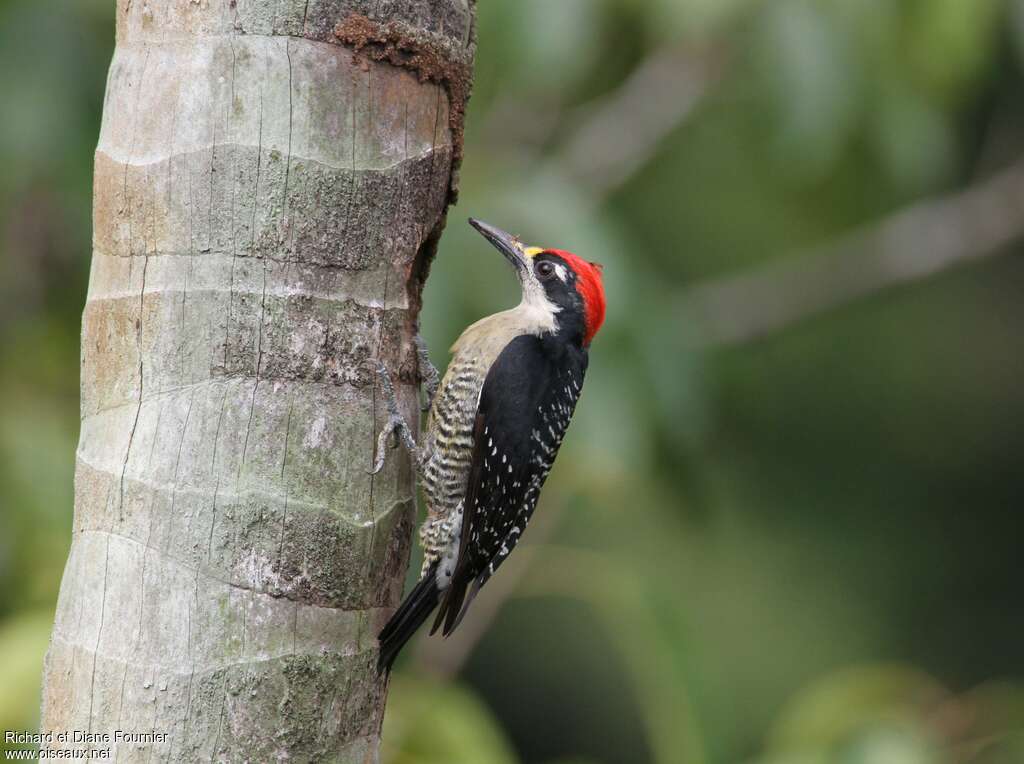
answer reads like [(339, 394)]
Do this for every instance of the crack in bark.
[(263, 299), (147, 546), (288, 161), (259, 362), (131, 435), (284, 485), (216, 488), (99, 632), (142, 291), (234, 220)]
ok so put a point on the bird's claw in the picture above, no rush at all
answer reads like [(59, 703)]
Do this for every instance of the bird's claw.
[(377, 367), (389, 429), (396, 422), (429, 375)]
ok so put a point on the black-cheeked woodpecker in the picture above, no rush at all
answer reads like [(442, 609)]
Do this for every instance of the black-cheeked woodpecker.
[(495, 425)]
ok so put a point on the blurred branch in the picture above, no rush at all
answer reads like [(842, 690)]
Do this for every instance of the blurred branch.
[(911, 244), (621, 132)]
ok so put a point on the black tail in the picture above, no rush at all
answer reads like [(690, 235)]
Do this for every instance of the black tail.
[(407, 619)]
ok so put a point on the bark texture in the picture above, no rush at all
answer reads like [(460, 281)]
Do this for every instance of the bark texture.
[(268, 193)]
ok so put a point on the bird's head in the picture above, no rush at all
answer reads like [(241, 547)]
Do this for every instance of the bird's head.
[(567, 288)]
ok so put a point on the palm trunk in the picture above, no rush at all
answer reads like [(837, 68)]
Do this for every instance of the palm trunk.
[(270, 182)]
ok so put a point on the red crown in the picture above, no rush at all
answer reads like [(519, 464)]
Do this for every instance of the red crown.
[(591, 289)]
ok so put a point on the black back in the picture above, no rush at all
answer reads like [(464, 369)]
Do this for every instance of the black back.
[(526, 403)]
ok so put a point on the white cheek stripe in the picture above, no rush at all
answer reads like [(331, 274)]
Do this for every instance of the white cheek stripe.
[(539, 313), (537, 310)]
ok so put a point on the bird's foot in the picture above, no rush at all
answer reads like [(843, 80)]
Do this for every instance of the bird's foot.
[(429, 375), (396, 422)]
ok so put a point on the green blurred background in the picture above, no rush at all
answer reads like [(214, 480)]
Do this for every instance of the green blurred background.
[(795, 548)]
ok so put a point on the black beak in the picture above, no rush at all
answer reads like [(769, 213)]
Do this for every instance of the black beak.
[(505, 243)]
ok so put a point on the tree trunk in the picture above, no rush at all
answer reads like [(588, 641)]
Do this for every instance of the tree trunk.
[(270, 183)]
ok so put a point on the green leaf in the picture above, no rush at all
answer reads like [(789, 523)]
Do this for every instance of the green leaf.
[(440, 723), (23, 643), (814, 83), (950, 42), (862, 715)]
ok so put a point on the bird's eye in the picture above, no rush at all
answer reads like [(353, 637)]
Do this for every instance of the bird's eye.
[(545, 270)]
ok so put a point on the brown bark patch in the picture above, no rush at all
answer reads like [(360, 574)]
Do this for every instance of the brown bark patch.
[(431, 58)]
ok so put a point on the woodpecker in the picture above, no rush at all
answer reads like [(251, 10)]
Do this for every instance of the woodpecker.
[(495, 426)]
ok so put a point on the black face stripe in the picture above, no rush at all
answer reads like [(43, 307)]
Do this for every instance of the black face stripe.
[(571, 316), (558, 261)]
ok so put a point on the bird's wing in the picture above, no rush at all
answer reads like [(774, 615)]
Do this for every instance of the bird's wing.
[(525, 406)]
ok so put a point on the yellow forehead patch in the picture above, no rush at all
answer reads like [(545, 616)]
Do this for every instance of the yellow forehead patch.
[(532, 251)]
